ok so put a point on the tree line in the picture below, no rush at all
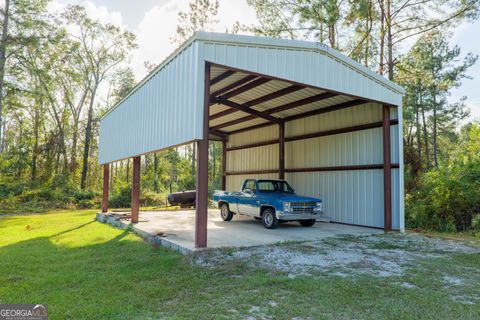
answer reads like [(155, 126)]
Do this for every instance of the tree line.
[(60, 73), (53, 69), (441, 146)]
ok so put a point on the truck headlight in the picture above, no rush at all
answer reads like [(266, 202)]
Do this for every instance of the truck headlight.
[(286, 207), (319, 206)]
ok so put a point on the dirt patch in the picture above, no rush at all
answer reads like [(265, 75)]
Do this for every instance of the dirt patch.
[(378, 255), (452, 281)]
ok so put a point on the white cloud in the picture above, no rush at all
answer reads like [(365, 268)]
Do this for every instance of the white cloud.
[(100, 13), (234, 10), (158, 26), (154, 33)]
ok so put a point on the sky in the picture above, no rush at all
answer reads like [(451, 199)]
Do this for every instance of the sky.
[(155, 21)]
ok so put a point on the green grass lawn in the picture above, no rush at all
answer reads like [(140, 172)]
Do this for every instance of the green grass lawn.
[(86, 270)]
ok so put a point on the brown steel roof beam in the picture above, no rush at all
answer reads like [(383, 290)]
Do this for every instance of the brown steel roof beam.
[(284, 107), (234, 122), (250, 111), (268, 97), (302, 102), (233, 85), (317, 134), (291, 81), (254, 145), (317, 169), (221, 77), (220, 134), (336, 107), (222, 113), (276, 94), (343, 168), (242, 89)]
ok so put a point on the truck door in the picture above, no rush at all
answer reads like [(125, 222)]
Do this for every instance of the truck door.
[(246, 198)]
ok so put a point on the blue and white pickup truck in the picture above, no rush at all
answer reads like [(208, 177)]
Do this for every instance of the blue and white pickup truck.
[(271, 201)]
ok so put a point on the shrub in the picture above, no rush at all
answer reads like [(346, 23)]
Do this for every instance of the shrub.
[(31, 197), (447, 199), (87, 204), (150, 198), (121, 196)]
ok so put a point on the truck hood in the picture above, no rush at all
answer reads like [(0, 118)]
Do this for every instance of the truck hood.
[(286, 197)]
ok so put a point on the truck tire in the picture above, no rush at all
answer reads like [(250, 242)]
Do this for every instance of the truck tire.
[(225, 212), (307, 223), (269, 219)]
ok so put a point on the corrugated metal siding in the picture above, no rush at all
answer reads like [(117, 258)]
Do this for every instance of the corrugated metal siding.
[(301, 65), (253, 136), (354, 197), (165, 111), (261, 158), (396, 199)]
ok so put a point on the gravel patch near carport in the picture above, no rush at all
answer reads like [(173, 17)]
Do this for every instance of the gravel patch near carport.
[(383, 255)]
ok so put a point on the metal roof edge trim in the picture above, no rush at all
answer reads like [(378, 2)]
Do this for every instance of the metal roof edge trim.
[(262, 41), (297, 44)]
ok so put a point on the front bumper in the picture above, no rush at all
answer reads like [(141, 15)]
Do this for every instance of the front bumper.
[(291, 216)]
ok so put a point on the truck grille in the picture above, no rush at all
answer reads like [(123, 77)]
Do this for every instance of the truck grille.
[(303, 204), (302, 210)]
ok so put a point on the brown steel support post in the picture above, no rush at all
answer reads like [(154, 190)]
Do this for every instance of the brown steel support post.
[(135, 189), (201, 216), (106, 174), (224, 164), (281, 150), (387, 170)]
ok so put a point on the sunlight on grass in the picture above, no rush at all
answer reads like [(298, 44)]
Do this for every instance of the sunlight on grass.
[(71, 224), (86, 270)]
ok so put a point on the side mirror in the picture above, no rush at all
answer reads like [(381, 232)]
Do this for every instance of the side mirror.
[(248, 190)]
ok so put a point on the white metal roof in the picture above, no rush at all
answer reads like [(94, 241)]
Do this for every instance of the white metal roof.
[(165, 109)]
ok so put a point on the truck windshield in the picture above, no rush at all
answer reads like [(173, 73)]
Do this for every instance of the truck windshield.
[(274, 186)]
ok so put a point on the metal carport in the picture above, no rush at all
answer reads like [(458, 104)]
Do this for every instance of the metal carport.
[(283, 109)]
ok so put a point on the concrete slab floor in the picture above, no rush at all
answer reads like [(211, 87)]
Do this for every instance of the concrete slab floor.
[(176, 229)]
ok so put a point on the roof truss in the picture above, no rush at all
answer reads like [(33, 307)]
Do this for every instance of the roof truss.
[(224, 95), (268, 97), (254, 113)]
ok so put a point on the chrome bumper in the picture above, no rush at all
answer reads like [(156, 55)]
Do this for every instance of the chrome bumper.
[(300, 216)]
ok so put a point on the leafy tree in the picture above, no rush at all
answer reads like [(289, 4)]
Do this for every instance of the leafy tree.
[(103, 47), (122, 82), (22, 21), (200, 17), (448, 198), (355, 27), (429, 71)]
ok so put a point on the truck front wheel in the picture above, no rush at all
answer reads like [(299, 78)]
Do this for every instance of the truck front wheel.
[(269, 219), (225, 212)]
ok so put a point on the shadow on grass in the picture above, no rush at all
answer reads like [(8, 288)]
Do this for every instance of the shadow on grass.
[(117, 278), (72, 229), (115, 275)]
